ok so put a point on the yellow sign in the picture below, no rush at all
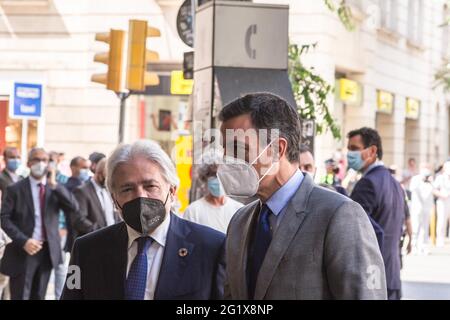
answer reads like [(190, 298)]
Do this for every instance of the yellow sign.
[(348, 90), (179, 85), (385, 101), (183, 160), (412, 108)]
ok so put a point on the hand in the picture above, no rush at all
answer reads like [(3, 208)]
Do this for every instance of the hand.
[(409, 246), (32, 246), (52, 178)]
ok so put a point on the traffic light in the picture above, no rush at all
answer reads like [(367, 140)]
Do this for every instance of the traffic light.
[(139, 56), (114, 59)]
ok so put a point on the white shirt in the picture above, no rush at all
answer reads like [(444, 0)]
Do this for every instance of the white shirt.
[(155, 254), (218, 218), (34, 184), (106, 202), (422, 198)]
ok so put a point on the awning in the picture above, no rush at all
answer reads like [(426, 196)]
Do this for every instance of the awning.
[(237, 82)]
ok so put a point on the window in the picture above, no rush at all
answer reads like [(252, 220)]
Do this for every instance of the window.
[(415, 21), (389, 14)]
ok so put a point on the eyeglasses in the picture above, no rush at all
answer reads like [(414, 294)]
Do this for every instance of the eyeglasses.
[(39, 159)]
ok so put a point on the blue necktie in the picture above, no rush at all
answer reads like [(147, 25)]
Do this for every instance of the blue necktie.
[(137, 275), (261, 242)]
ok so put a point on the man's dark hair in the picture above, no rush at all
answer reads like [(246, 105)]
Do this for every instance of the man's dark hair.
[(95, 157), (7, 151), (304, 148), (75, 161), (370, 137), (268, 111)]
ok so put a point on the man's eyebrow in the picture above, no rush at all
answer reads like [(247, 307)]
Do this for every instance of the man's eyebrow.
[(127, 184), (150, 181)]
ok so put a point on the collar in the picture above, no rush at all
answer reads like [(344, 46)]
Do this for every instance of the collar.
[(35, 182), (374, 165), (97, 187), (159, 234), (281, 197)]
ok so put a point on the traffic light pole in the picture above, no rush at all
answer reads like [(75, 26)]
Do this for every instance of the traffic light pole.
[(123, 98)]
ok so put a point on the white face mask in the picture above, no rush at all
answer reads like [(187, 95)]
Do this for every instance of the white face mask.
[(39, 169), (239, 178)]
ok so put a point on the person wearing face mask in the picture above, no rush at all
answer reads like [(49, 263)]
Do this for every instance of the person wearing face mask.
[(442, 193), (80, 173), (381, 196), (152, 254), (30, 217), (297, 240), (8, 177), (215, 209), (422, 201), (307, 163), (12, 163), (96, 205)]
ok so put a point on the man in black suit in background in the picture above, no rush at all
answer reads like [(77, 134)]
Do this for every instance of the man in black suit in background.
[(96, 205), (30, 217)]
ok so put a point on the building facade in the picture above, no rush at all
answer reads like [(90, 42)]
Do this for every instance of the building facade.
[(52, 42), (391, 56)]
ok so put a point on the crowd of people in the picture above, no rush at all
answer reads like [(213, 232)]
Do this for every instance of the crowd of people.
[(262, 229)]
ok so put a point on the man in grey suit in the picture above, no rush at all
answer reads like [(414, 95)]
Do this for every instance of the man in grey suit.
[(96, 205), (298, 240)]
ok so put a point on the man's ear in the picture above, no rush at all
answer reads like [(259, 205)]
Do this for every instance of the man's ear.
[(281, 149), (173, 191), (116, 204), (373, 151)]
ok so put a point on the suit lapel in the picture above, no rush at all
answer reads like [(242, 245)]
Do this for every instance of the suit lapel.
[(100, 213), (8, 178), (28, 195), (115, 264), (241, 274), (288, 228), (174, 276)]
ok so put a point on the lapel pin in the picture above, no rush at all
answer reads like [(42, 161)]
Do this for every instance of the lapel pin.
[(183, 252)]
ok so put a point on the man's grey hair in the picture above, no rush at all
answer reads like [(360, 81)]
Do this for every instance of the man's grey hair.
[(33, 151), (209, 164), (147, 149)]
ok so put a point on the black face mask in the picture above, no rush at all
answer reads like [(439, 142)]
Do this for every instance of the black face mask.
[(144, 214)]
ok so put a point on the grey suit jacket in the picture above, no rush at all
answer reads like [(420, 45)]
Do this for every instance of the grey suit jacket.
[(323, 248)]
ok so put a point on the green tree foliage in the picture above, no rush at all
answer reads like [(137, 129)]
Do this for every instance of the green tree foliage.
[(311, 91)]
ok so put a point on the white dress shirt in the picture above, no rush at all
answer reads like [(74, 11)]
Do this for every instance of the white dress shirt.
[(37, 232), (154, 254), (106, 202)]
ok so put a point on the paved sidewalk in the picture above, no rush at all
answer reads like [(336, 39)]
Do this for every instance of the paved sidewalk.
[(427, 277)]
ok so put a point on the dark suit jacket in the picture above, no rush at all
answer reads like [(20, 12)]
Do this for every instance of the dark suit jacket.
[(102, 259), (90, 216), (5, 181), (17, 218), (73, 183), (383, 199)]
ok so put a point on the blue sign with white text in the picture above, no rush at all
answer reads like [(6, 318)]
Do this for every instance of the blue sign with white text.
[(27, 100)]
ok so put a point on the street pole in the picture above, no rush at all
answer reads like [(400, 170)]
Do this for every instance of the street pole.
[(123, 97)]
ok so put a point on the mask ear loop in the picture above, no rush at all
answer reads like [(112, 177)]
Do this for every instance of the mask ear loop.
[(117, 204), (259, 156), (167, 198)]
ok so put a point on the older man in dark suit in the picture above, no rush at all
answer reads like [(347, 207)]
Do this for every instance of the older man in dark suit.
[(382, 198), (96, 206), (153, 254), (30, 217)]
